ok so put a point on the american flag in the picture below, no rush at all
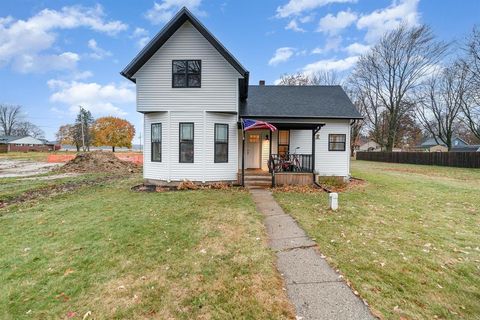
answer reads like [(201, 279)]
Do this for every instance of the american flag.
[(249, 124)]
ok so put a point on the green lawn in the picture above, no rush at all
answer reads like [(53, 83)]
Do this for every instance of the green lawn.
[(408, 240), (121, 254)]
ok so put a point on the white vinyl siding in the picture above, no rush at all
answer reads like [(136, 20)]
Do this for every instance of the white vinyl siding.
[(203, 169), (332, 163), (301, 139), (219, 80)]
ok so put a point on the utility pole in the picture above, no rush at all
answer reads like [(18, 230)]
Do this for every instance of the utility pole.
[(83, 134), (140, 141)]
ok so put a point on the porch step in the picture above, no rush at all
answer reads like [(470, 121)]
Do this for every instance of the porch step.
[(258, 181), (258, 178)]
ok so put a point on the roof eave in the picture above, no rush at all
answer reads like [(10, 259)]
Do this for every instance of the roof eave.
[(167, 31)]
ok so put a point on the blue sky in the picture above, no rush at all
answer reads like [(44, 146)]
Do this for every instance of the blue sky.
[(55, 55)]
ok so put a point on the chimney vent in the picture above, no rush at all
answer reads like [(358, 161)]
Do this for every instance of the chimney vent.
[(261, 82)]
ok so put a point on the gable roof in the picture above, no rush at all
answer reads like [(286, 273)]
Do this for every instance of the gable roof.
[(168, 30), (21, 139), (8, 139), (298, 102)]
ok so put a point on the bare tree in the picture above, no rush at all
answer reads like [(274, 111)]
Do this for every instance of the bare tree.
[(325, 77), (391, 71), (441, 103), (367, 100), (25, 128), (358, 125), (471, 111), (10, 116)]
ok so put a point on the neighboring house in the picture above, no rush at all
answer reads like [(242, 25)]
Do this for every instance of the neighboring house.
[(369, 145), (431, 145), (25, 144), (194, 96)]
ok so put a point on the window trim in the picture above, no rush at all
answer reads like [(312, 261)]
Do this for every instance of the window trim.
[(180, 142), (279, 144), (151, 141), (344, 142), (215, 142), (186, 73)]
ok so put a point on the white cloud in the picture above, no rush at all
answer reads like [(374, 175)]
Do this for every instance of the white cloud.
[(281, 55), (99, 99), (297, 7), (142, 37), (293, 25), (97, 52), (332, 44), (357, 48), (32, 63), (382, 20), (23, 42), (330, 65), (164, 11), (332, 25), (139, 32)]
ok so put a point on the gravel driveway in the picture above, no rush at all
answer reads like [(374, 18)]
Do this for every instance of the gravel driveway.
[(24, 168)]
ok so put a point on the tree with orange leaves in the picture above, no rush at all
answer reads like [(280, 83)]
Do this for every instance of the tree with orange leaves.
[(112, 131)]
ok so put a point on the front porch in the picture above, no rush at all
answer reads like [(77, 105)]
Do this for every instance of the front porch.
[(285, 156)]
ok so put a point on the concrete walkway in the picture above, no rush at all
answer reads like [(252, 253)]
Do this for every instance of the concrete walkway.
[(315, 289)]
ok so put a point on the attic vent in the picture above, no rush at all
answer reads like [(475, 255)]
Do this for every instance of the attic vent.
[(261, 82)]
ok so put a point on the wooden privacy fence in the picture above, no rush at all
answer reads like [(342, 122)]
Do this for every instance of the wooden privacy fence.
[(450, 159)]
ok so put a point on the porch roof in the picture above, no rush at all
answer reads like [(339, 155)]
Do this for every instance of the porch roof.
[(328, 102)]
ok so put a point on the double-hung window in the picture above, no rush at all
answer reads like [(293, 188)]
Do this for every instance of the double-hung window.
[(186, 73), (336, 142), (283, 142), (221, 143), (186, 142), (156, 142)]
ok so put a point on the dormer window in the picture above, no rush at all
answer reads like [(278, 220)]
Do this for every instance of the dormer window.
[(186, 73)]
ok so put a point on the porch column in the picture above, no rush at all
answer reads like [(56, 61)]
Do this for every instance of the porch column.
[(313, 155), (314, 133), (243, 157)]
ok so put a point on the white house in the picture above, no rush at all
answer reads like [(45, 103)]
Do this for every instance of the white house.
[(195, 95)]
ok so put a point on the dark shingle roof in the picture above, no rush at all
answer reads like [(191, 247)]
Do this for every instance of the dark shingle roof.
[(298, 102)]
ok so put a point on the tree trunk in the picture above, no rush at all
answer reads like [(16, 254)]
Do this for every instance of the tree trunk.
[(113, 148), (390, 140)]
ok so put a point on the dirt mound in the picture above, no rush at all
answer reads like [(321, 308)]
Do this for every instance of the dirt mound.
[(99, 162)]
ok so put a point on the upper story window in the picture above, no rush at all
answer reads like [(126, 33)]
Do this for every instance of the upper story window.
[(186, 73)]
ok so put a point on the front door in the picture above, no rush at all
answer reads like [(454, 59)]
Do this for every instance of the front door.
[(252, 147)]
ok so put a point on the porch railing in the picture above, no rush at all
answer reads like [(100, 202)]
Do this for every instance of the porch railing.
[(290, 162)]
